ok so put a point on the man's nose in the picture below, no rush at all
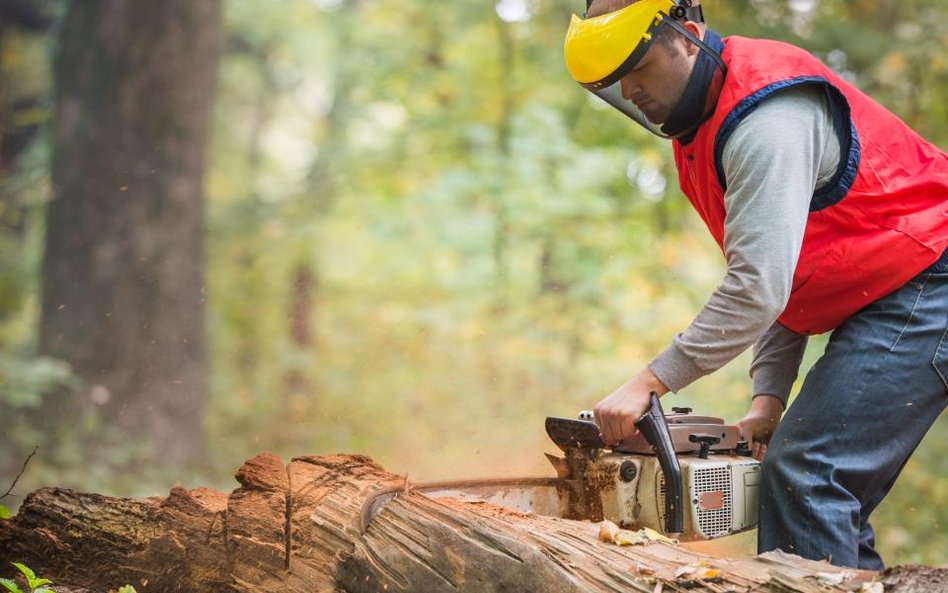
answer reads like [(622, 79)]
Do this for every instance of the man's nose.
[(628, 86)]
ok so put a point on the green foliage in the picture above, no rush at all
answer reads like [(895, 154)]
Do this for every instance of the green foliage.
[(24, 381), (5, 512), (39, 585), (34, 584)]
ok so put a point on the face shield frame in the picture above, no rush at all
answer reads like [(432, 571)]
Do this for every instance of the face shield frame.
[(607, 85)]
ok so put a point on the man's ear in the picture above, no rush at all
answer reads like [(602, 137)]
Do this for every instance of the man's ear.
[(697, 30)]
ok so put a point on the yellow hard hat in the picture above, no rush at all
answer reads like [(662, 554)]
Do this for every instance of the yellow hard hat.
[(600, 50)]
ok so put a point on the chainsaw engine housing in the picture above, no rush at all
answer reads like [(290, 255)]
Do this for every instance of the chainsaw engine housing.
[(719, 493), (688, 476)]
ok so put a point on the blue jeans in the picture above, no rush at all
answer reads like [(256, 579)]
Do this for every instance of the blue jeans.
[(863, 409)]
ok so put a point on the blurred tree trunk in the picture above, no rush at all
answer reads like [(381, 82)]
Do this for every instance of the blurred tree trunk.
[(123, 297), (302, 301)]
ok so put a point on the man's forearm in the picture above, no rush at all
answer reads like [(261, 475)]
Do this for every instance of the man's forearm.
[(730, 323), (776, 364)]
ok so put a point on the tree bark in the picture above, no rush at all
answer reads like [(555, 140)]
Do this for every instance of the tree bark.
[(123, 295), (303, 527)]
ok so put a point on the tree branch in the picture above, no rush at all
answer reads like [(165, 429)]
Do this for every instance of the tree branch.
[(9, 491)]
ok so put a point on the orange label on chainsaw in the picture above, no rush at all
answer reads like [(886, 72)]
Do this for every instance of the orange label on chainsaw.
[(711, 501)]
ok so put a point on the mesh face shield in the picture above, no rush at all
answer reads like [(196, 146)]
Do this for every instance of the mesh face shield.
[(601, 50)]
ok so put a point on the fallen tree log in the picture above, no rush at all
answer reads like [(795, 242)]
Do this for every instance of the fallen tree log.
[(301, 527)]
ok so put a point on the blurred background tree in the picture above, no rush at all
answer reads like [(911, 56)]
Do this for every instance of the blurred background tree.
[(420, 236), (122, 277)]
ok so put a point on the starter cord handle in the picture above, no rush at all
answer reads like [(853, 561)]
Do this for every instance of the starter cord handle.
[(655, 430)]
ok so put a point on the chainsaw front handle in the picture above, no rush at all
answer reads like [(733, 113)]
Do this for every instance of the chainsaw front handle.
[(654, 428)]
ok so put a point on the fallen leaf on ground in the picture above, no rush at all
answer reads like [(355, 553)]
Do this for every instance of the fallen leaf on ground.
[(699, 570), (610, 532), (642, 536)]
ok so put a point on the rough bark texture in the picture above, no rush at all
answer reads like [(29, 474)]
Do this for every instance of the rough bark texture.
[(122, 297), (299, 528)]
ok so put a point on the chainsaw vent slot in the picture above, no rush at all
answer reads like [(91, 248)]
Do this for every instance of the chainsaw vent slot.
[(661, 500), (711, 487)]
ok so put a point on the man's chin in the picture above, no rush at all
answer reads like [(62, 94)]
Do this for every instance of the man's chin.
[(656, 118)]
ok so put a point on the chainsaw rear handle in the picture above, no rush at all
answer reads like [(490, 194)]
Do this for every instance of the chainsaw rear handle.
[(654, 428)]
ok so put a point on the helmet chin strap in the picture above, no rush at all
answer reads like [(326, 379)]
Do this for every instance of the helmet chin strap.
[(714, 53)]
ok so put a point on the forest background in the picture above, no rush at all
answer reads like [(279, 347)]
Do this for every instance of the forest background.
[(412, 236)]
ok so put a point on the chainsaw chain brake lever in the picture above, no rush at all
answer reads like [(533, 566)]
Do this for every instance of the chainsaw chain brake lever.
[(654, 428), (569, 433)]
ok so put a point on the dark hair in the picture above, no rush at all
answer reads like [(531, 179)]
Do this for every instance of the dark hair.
[(601, 7)]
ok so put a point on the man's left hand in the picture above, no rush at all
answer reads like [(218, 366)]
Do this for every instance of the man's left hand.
[(760, 423)]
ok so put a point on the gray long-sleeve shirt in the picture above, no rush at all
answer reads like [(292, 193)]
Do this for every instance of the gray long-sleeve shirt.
[(773, 162)]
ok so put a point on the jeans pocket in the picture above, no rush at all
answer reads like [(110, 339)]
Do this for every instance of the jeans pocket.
[(914, 289), (940, 360)]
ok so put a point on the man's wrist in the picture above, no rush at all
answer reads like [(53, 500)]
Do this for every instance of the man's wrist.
[(651, 381), (766, 403)]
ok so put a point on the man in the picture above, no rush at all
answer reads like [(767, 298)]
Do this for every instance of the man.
[(833, 216)]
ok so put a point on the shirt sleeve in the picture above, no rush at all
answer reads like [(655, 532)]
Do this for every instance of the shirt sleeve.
[(776, 363), (773, 162)]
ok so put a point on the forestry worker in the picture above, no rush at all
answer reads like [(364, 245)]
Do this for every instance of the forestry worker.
[(832, 215)]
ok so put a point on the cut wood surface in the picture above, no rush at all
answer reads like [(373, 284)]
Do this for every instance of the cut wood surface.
[(300, 527)]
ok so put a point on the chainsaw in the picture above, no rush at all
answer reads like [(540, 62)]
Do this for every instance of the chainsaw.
[(689, 477)]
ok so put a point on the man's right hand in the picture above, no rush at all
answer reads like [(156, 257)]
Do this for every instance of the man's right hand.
[(617, 413), (760, 423)]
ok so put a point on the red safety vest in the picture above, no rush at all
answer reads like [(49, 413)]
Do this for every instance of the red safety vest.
[(882, 218)]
